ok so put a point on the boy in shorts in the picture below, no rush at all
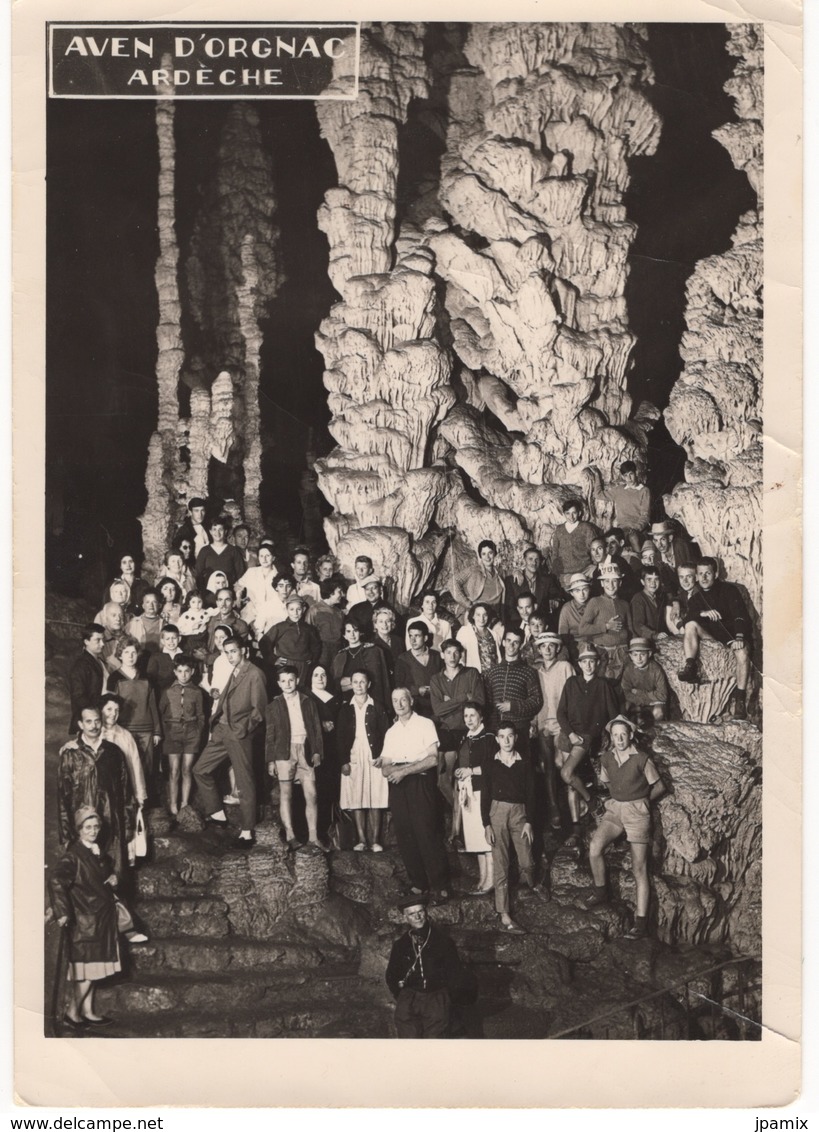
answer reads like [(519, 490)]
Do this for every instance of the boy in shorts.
[(184, 725), (294, 747), (633, 784)]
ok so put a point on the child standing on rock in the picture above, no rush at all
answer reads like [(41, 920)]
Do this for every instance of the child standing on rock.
[(633, 783)]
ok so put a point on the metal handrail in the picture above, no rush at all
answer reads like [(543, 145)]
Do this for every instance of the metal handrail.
[(737, 961)]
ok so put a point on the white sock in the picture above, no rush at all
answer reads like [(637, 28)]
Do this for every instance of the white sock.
[(220, 815), (246, 834)]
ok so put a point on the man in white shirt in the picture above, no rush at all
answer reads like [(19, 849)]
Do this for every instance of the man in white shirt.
[(306, 587), (363, 567), (409, 762)]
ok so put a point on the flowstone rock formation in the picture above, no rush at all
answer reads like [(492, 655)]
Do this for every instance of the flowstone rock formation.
[(715, 410), (231, 273), (387, 374), (534, 258)]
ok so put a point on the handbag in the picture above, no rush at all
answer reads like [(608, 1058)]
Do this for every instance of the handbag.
[(140, 836), (342, 829)]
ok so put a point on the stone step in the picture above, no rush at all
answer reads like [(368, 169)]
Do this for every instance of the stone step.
[(227, 954), (159, 991), (202, 916)]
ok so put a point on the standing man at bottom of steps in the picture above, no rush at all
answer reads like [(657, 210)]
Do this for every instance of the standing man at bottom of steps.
[(423, 971)]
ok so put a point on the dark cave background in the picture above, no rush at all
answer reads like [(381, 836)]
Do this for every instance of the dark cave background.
[(102, 307)]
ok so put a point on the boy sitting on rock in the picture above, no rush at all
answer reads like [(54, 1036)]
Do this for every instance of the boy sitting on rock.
[(644, 683), (633, 784)]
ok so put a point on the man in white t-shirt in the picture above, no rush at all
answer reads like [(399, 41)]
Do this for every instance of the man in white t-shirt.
[(409, 761)]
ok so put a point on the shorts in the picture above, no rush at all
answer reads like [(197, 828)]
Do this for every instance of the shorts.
[(632, 818), (565, 744), (182, 739), (296, 768)]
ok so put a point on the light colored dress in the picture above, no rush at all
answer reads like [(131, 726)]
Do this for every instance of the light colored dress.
[(365, 787)]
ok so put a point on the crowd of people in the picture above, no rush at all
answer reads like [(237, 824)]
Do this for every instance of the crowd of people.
[(480, 719)]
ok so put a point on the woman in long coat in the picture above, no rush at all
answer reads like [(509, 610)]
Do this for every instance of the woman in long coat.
[(82, 898), (359, 653), (92, 772)]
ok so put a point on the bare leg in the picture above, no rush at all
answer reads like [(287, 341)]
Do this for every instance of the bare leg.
[(374, 826), (658, 711), (692, 636), (286, 808), (187, 778), (174, 761), (639, 858), (85, 1000), (308, 785), (603, 836), (359, 817), (569, 775), (743, 660)]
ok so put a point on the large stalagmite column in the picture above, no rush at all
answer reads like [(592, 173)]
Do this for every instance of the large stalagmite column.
[(715, 409), (387, 375), (535, 261), (158, 518)]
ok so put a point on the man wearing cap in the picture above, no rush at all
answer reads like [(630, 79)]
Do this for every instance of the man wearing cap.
[(292, 641), (717, 613), (673, 550), (409, 762), (633, 784), (631, 503), (422, 971), (533, 579), (586, 704), (644, 684), (513, 690), (571, 615), (552, 674), (193, 528), (606, 621), (571, 542)]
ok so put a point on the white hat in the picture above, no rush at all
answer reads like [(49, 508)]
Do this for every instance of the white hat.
[(610, 569), (577, 580), (588, 650), (620, 719), (664, 528), (547, 639)]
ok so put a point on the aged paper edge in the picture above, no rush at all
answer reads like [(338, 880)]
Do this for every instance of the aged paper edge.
[(248, 1073)]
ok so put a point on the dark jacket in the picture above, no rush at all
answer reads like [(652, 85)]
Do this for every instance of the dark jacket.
[(507, 784), (277, 737), (375, 724), (439, 969), (79, 891), (546, 590), (586, 706), (243, 701), (101, 781), (726, 600), (85, 684)]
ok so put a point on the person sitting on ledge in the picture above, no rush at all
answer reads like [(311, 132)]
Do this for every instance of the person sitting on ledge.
[(717, 613), (676, 609), (633, 783), (644, 683)]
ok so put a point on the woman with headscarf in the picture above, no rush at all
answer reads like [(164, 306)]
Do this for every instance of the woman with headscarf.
[(216, 581)]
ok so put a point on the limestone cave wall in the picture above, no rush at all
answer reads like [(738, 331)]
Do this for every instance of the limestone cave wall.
[(715, 409)]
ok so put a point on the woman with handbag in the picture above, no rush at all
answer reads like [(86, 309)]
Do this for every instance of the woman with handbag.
[(109, 710), (362, 725)]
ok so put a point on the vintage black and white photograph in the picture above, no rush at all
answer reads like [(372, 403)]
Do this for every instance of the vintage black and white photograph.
[(403, 531)]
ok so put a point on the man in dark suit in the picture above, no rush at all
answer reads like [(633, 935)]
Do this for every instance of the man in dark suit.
[(88, 673), (239, 713)]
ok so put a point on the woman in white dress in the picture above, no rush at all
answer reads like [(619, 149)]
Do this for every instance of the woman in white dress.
[(481, 636), (361, 727), (263, 607)]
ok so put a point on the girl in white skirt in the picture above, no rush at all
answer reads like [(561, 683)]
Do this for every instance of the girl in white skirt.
[(362, 724)]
